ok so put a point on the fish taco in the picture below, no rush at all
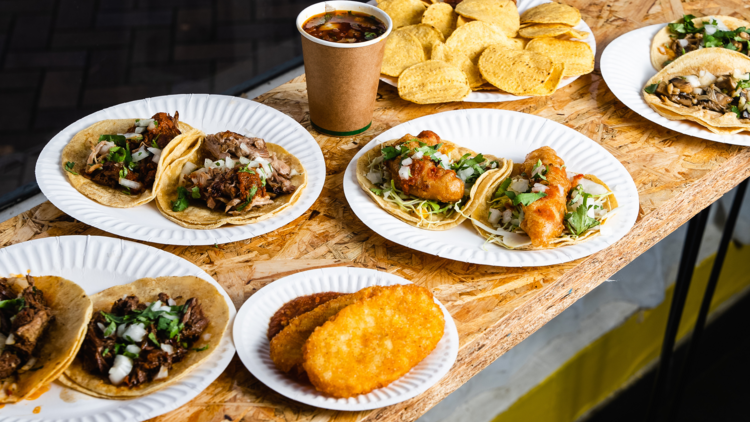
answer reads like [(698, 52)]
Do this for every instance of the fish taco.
[(147, 335), (42, 324), (541, 205), (119, 162), (690, 34), (710, 87), (425, 181), (227, 178)]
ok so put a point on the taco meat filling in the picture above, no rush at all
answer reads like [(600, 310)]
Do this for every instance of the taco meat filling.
[(129, 161), (686, 37), (722, 94), (139, 342), (238, 173), (23, 320)]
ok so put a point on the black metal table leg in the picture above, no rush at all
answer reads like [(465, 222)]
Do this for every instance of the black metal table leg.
[(696, 227), (693, 346)]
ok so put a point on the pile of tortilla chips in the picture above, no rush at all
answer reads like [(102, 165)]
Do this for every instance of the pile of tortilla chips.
[(441, 54)]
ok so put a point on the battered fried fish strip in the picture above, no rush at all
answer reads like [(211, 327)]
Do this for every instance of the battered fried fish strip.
[(286, 346), (297, 307), (374, 341)]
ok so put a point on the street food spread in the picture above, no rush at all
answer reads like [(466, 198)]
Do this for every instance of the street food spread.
[(425, 181), (540, 204), (358, 342), (119, 162), (344, 26), (42, 323), (710, 86), (488, 42), (146, 335), (227, 178), (691, 33)]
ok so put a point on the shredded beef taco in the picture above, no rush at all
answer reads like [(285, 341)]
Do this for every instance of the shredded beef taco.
[(542, 205), (690, 34), (42, 323), (227, 178), (119, 162), (710, 87), (425, 181), (147, 335)]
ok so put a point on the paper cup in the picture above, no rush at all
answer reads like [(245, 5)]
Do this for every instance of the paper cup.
[(342, 79)]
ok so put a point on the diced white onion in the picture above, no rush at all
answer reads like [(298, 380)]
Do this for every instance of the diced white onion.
[(245, 148), (538, 187), (187, 169), (11, 340), (706, 78), (132, 184), (710, 29), (739, 74), (693, 80), (418, 155), (229, 162), (121, 368), (151, 125), (101, 326), (135, 332), (495, 216), (156, 152), (140, 154), (464, 174), (507, 216), (165, 308), (519, 185), (107, 145), (143, 122), (720, 25), (592, 188), (155, 306), (375, 177), (398, 147), (167, 348), (207, 336), (294, 172), (683, 42), (265, 164), (537, 170), (28, 365), (171, 302), (140, 129), (168, 316), (132, 348), (244, 160), (121, 329), (163, 373), (407, 162), (697, 91), (404, 172)]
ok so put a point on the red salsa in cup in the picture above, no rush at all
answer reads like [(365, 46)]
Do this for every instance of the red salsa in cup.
[(344, 26)]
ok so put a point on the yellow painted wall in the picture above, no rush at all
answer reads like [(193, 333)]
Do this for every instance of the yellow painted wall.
[(610, 361)]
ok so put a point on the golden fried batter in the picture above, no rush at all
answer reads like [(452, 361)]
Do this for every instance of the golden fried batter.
[(297, 307), (286, 346), (373, 342), (543, 218)]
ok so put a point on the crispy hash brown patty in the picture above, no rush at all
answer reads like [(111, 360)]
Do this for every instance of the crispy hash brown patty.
[(374, 341), (297, 307), (286, 346)]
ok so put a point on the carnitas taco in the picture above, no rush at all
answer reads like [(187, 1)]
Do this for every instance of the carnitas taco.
[(119, 162), (42, 324), (690, 34), (541, 205), (425, 181), (710, 87), (147, 335), (227, 178)]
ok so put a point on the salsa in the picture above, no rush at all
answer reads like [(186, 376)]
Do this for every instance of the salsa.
[(344, 26)]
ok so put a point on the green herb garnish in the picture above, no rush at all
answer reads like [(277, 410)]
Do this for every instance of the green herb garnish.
[(181, 203), (69, 167), (651, 88)]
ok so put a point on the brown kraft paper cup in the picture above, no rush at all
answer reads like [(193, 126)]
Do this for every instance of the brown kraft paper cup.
[(342, 79)]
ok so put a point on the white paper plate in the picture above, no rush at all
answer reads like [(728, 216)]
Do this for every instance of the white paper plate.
[(496, 97), (626, 67), (510, 135), (97, 263), (210, 113), (251, 326)]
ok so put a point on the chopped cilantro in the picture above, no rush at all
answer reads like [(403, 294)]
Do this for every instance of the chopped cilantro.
[(69, 167), (195, 192), (501, 190), (527, 198), (578, 221), (17, 303), (153, 338), (250, 196), (123, 173), (541, 173), (105, 352), (130, 355), (110, 329), (119, 140), (153, 141), (370, 35), (181, 203), (651, 88), (202, 348), (377, 191)]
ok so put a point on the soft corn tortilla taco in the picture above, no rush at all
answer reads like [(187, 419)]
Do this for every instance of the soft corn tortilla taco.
[(708, 68), (418, 217), (70, 310), (480, 217), (661, 45), (179, 289), (198, 215), (79, 149)]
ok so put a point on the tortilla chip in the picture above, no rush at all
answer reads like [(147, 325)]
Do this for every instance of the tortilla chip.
[(552, 13), (402, 51), (474, 37), (550, 86), (72, 310), (551, 30), (199, 216), (577, 55), (502, 13), (426, 34), (78, 149), (442, 17), (433, 82), (460, 21), (404, 12), (444, 53), (518, 72), (214, 307)]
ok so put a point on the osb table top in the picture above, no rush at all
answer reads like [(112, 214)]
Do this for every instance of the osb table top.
[(494, 308)]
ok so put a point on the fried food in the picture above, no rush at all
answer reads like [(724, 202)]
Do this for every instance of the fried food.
[(502, 13), (442, 17), (297, 307), (402, 51), (551, 13), (519, 72), (286, 346), (577, 56), (433, 82), (374, 341)]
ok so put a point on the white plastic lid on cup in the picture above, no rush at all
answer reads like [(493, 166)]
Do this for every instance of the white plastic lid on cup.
[(319, 8)]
